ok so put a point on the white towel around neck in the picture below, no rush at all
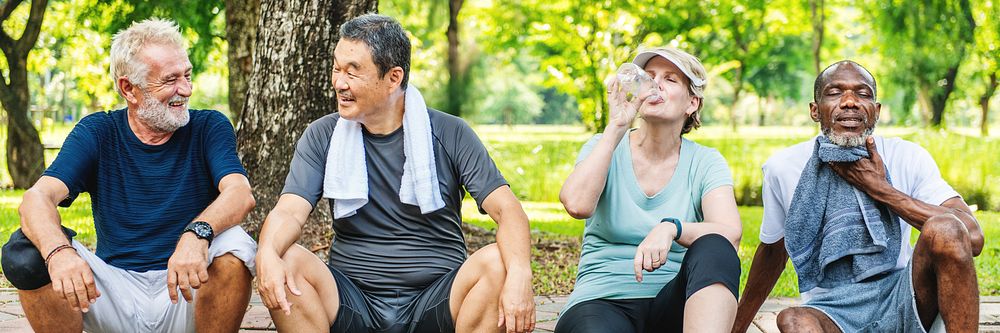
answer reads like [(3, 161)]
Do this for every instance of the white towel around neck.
[(346, 175)]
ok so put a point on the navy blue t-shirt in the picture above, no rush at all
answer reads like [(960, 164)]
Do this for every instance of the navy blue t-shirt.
[(143, 195)]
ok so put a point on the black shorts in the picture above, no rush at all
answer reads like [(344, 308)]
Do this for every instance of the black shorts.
[(420, 311), (709, 260)]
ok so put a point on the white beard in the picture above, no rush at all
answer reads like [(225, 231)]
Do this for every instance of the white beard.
[(848, 140), (158, 116)]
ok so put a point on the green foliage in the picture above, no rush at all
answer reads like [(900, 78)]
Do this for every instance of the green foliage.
[(987, 40), (933, 37), (517, 53), (69, 66), (506, 99), (559, 108), (200, 21), (577, 43), (539, 158)]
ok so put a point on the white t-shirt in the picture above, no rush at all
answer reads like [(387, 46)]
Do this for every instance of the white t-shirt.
[(911, 169)]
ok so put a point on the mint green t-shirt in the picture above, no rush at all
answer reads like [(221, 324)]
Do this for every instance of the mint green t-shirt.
[(625, 215)]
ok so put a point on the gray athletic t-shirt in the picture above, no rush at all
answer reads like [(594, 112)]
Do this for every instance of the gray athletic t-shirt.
[(389, 246)]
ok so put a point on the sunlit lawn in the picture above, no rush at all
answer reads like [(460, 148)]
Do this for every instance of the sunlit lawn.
[(536, 159)]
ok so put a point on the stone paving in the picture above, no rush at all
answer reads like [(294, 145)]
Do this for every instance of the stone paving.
[(257, 318)]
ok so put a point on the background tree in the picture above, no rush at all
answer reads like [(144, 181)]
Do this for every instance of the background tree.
[(457, 70), (987, 54), (241, 34), (201, 23), (739, 30), (780, 72), (933, 37), (817, 10), (24, 148), (779, 68), (196, 18), (579, 43), (290, 87)]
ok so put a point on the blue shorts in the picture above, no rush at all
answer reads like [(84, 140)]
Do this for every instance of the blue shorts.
[(886, 304)]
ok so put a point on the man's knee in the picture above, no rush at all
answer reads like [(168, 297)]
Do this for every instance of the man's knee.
[(947, 237), (796, 319), (490, 264), (22, 264), (297, 257), (228, 264)]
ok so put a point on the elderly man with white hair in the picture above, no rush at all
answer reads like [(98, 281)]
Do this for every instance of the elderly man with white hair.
[(168, 192)]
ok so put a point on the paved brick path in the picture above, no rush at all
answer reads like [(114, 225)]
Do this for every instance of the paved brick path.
[(257, 319)]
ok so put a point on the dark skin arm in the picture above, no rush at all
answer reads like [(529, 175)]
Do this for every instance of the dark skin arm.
[(768, 263), (868, 175)]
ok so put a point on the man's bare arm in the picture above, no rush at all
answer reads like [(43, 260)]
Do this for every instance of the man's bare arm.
[(768, 263)]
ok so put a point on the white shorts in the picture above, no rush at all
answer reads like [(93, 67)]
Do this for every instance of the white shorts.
[(138, 301)]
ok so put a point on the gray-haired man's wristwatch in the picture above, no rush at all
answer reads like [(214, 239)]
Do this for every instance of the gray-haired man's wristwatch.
[(202, 230)]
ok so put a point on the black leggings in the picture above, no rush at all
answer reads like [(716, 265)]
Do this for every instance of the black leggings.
[(709, 260)]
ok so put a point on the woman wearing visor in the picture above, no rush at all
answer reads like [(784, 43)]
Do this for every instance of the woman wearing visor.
[(661, 220)]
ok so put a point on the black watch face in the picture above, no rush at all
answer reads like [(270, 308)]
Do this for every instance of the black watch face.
[(202, 230)]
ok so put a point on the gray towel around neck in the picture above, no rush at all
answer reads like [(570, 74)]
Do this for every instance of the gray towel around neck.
[(834, 233)]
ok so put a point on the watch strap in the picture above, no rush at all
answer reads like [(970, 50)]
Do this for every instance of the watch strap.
[(202, 230), (677, 223)]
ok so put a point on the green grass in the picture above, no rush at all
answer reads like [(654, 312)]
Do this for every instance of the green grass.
[(537, 159), (77, 217), (51, 134)]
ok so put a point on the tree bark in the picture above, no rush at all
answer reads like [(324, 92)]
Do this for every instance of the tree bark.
[(737, 89), (289, 88), (939, 95), (25, 158), (984, 104), (601, 109), (242, 17), (818, 18), (924, 101), (456, 71)]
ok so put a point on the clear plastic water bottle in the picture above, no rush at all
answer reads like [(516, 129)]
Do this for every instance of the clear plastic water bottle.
[(634, 81)]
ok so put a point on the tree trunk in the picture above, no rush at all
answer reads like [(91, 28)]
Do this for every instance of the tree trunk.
[(924, 101), (737, 89), (818, 18), (984, 103), (289, 88), (939, 96), (456, 72), (241, 34), (25, 158), (601, 109)]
